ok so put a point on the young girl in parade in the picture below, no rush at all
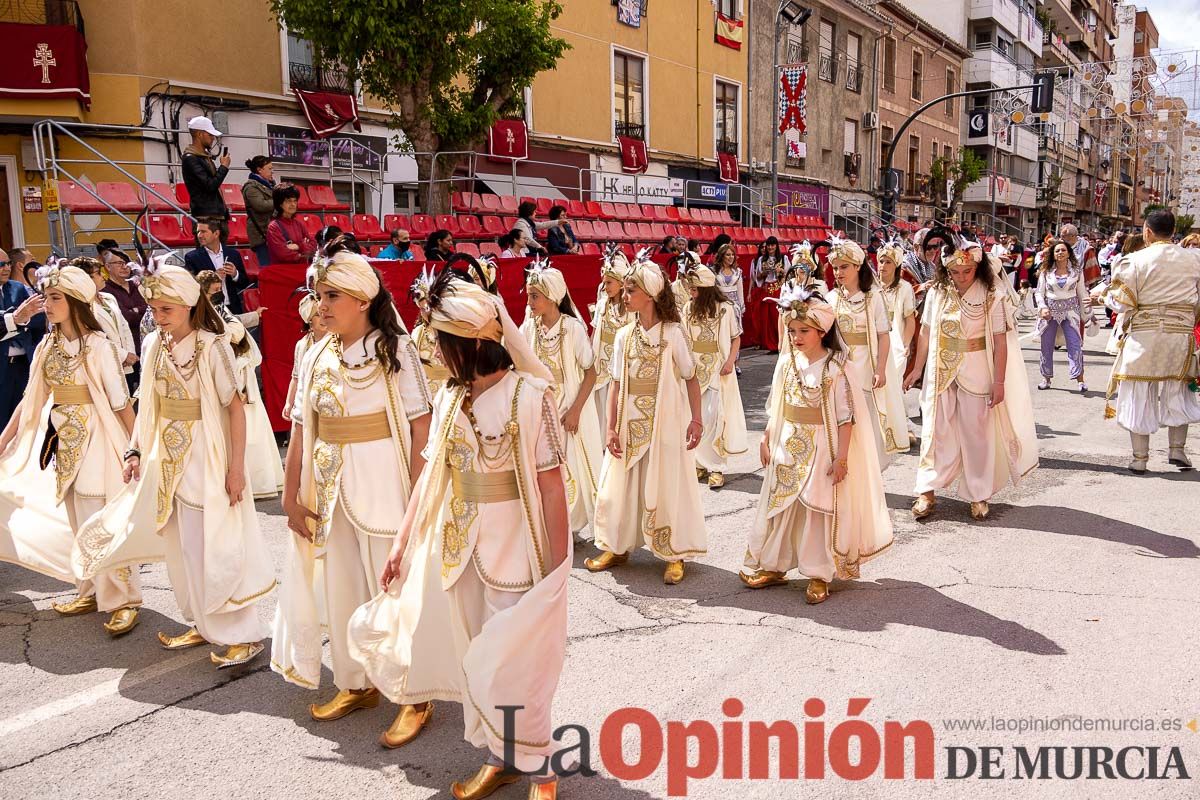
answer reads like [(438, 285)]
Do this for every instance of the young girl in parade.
[(609, 315), (710, 325), (977, 416), (187, 497), (647, 490), (108, 314), (1064, 309), (766, 275), (822, 508), (560, 341), (804, 272), (77, 372), (424, 337), (359, 426), (314, 331), (865, 326), (900, 302), (262, 453), (729, 281), (481, 560), (681, 289)]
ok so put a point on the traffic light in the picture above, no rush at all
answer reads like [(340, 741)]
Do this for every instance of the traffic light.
[(1043, 93)]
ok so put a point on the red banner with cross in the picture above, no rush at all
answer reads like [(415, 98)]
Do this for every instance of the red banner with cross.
[(508, 140), (328, 112), (44, 62), (792, 101), (728, 165), (634, 158)]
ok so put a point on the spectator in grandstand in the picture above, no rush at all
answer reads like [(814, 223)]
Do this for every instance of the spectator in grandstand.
[(258, 193), (525, 221), (667, 246), (693, 246), (201, 174), (561, 241), (122, 286), (221, 259), (513, 244), (22, 328), (439, 246), (288, 241), (400, 249)]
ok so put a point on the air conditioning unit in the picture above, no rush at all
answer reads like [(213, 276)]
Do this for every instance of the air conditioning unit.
[(870, 120)]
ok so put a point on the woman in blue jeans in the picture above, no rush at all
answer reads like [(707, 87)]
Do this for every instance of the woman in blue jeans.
[(1064, 308)]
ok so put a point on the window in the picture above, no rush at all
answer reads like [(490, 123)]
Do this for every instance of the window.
[(797, 47), (951, 88), (933, 153), (725, 117), (918, 68), (827, 65), (306, 71), (886, 134), (889, 65), (853, 69), (983, 38), (728, 8), (629, 98), (947, 152), (850, 136), (914, 163)]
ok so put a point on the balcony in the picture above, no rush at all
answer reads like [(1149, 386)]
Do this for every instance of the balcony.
[(42, 12), (319, 78), (797, 51), (854, 76), (827, 66), (1056, 52), (1062, 20), (727, 146), (990, 65), (1126, 179), (1004, 12), (634, 130), (916, 186)]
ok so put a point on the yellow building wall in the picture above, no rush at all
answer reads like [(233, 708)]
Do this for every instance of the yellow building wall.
[(575, 100)]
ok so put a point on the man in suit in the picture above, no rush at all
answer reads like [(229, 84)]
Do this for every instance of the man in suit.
[(220, 258), (22, 327)]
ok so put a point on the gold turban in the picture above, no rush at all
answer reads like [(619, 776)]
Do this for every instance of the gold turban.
[(172, 284), (846, 250), (614, 264), (648, 275), (701, 276), (71, 281), (464, 309), (350, 273), (807, 307), (891, 250)]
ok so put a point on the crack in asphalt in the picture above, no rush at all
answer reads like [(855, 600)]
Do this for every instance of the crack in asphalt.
[(139, 718)]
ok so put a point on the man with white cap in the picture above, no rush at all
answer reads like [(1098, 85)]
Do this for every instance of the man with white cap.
[(201, 174)]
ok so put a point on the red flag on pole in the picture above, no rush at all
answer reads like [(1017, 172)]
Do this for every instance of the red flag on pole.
[(508, 140), (727, 163), (634, 158), (328, 112)]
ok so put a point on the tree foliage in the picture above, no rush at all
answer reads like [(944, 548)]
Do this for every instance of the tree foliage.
[(1184, 224), (962, 170), (445, 70)]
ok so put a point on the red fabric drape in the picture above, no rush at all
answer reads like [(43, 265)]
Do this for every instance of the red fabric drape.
[(328, 112), (44, 62)]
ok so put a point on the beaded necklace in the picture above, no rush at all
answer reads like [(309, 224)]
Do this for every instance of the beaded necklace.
[(356, 382), (501, 445)]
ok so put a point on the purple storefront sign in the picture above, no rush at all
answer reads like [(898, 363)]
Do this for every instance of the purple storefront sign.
[(804, 199)]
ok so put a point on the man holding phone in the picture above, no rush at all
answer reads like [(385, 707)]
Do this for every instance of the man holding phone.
[(221, 259), (201, 173)]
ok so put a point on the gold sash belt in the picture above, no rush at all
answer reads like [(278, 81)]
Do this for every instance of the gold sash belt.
[(607, 336), (354, 429), (802, 415), (436, 372), (705, 347), (77, 395), (485, 487), (556, 373), (964, 345), (642, 386), (855, 339), (172, 408)]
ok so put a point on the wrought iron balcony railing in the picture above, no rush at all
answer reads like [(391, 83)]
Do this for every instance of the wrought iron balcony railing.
[(634, 130), (42, 12), (319, 78)]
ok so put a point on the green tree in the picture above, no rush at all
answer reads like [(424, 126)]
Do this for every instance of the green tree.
[(961, 171), (445, 70), (1184, 224)]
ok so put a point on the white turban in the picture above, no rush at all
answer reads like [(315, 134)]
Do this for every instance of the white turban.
[(466, 310), (549, 281), (172, 284), (71, 281), (648, 275), (805, 306), (614, 264), (702, 276), (846, 250), (891, 250), (350, 273), (308, 307)]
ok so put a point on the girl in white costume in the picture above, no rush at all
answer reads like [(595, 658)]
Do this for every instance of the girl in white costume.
[(609, 315), (108, 314), (486, 533), (822, 509), (76, 372), (804, 272), (711, 327), (424, 337), (865, 328), (900, 301), (186, 499), (359, 424), (560, 341), (262, 453), (977, 416), (314, 331), (647, 490)]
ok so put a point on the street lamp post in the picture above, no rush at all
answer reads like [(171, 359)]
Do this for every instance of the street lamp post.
[(794, 14)]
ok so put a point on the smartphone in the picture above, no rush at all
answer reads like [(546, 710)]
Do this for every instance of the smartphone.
[(224, 152)]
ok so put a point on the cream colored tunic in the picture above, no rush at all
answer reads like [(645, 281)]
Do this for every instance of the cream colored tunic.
[(436, 373), (711, 341), (607, 319), (112, 321)]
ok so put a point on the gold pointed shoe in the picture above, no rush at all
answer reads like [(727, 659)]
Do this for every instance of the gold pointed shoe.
[(80, 605), (980, 510), (763, 578), (605, 560), (236, 654), (487, 780), (345, 701), (543, 791), (407, 725), (673, 574), (716, 480), (817, 591), (923, 507), (184, 640), (122, 621), (701, 473)]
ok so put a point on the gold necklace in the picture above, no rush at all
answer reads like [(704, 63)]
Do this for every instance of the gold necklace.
[(501, 445), (356, 382), (188, 369)]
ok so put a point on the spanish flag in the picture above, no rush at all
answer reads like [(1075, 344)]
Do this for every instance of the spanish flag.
[(729, 31)]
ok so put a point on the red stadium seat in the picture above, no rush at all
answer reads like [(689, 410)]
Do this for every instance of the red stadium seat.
[(323, 196), (237, 230), (395, 222), (189, 231), (577, 209), (646, 233), (724, 216), (489, 249), (164, 203), (164, 228), (422, 225), (374, 250), (632, 234), (658, 231), (492, 226), (250, 262), (509, 223), (181, 195), (312, 223), (509, 204), (418, 251), (491, 202), (79, 200), (596, 210), (340, 220), (448, 222), (231, 193), (661, 215), (685, 214), (466, 202), (590, 249), (651, 212), (366, 228), (608, 211), (304, 203), (470, 227), (121, 196), (470, 248), (583, 229), (251, 298), (544, 204)]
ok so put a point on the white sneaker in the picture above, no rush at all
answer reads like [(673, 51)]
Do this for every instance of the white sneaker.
[(1045, 384), (1082, 387)]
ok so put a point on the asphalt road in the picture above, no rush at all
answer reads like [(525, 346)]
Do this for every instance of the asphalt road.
[(1076, 602)]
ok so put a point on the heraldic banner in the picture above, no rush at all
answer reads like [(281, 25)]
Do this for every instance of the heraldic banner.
[(44, 62), (792, 110)]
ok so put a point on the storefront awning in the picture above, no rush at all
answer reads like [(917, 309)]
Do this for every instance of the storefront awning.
[(527, 186)]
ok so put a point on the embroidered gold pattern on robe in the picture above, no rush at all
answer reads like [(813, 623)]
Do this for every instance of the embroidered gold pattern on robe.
[(611, 321), (176, 435), (704, 331), (59, 370), (648, 362), (948, 359), (327, 457), (800, 444), (461, 457), (431, 359)]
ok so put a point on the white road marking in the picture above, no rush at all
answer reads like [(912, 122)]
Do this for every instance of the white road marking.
[(100, 691)]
